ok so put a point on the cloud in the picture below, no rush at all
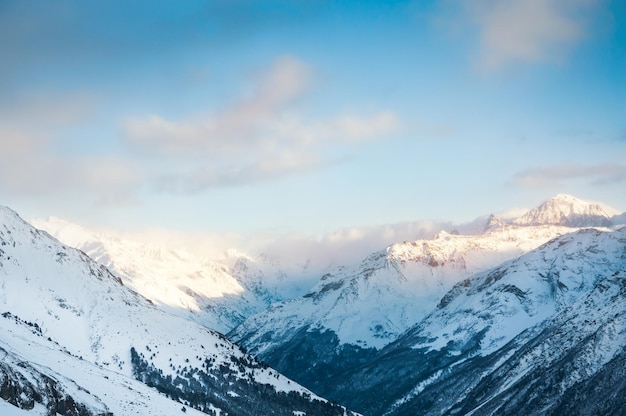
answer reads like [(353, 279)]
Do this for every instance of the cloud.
[(259, 137), (553, 176), (45, 109), (358, 128), (263, 169), (232, 129), (512, 32), (32, 162), (29, 166)]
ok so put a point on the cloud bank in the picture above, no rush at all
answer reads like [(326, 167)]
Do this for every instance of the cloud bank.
[(256, 138), (261, 136)]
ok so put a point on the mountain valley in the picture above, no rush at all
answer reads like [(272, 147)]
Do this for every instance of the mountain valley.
[(519, 316)]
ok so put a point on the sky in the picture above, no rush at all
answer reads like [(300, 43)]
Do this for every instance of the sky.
[(242, 118)]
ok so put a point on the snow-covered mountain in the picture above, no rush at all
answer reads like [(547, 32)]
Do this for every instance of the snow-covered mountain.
[(75, 340), (388, 334), (216, 294), (568, 211), (355, 311), (542, 334)]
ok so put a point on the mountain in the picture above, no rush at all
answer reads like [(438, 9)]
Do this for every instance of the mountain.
[(354, 312), (568, 211), (493, 222), (389, 334), (76, 341), (541, 334), (216, 294)]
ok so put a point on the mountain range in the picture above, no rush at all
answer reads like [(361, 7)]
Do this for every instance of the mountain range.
[(515, 316), (76, 341)]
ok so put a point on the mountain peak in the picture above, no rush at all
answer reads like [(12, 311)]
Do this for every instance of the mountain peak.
[(493, 222), (566, 210)]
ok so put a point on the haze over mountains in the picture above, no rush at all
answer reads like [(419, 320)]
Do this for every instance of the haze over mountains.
[(487, 313)]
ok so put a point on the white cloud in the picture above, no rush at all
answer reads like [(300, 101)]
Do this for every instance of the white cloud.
[(343, 247), (257, 138), (29, 166), (232, 130), (554, 176), (357, 128), (199, 178), (512, 32), (45, 109)]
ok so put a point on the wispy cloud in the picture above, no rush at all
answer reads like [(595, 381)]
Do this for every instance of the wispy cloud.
[(259, 137), (28, 166), (554, 176), (512, 32), (237, 126), (31, 162), (199, 178), (46, 109)]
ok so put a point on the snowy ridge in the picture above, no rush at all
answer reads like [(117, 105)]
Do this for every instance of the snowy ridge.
[(568, 211), (518, 294), (533, 328), (84, 313), (418, 317), (356, 314), (369, 305), (574, 361), (217, 295)]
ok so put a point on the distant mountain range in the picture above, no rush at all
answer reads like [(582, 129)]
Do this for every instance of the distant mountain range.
[(216, 294), (514, 316), (338, 338)]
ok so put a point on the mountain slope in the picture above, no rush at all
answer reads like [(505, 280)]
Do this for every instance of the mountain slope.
[(500, 341), (354, 311), (217, 295), (573, 366), (83, 318)]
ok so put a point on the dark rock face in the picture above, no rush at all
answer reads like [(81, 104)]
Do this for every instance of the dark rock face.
[(322, 348), (23, 393)]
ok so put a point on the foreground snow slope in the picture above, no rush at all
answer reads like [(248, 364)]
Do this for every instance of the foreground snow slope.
[(83, 311), (43, 376)]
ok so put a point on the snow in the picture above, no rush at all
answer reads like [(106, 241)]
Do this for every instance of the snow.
[(217, 294), (524, 292), (71, 318), (567, 210), (513, 276), (7, 409), (122, 394), (370, 304)]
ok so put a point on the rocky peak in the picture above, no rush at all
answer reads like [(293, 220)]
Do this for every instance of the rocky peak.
[(566, 210), (493, 222)]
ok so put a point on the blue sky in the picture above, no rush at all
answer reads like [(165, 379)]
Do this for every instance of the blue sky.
[(306, 117)]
